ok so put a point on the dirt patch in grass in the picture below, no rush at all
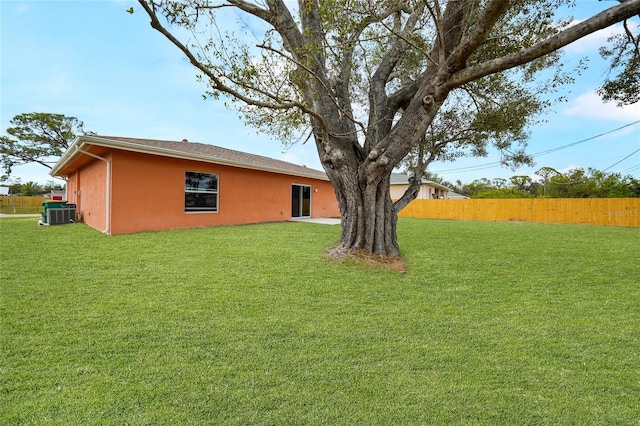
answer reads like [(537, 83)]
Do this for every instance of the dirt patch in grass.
[(395, 263)]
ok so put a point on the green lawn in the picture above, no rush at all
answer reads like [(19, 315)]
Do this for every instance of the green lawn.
[(20, 209), (493, 323)]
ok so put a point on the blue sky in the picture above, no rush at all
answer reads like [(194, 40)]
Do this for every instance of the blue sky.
[(94, 61)]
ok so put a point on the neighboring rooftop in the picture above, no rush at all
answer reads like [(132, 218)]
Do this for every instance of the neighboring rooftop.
[(187, 150), (401, 178)]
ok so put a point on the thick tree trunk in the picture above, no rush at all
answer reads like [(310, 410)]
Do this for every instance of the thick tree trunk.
[(368, 217), (361, 178)]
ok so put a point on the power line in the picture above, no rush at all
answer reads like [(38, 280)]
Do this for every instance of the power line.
[(549, 151), (631, 169), (616, 163), (537, 154)]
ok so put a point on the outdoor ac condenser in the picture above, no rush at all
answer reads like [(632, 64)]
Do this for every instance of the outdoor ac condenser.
[(60, 216)]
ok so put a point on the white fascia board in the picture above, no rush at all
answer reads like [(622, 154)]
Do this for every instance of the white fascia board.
[(66, 157), (144, 149)]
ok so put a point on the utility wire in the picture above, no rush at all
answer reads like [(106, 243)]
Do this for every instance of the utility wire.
[(631, 169), (549, 151), (616, 163), (537, 154)]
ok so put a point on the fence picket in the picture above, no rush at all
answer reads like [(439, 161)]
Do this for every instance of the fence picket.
[(21, 201), (591, 211)]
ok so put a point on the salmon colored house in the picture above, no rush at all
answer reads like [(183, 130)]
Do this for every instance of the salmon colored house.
[(124, 185)]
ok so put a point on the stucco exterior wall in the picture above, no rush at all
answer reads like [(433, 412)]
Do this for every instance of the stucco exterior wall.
[(147, 194), (87, 189), (72, 188)]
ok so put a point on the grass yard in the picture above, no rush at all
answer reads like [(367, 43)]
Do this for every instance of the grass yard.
[(493, 323), (20, 209)]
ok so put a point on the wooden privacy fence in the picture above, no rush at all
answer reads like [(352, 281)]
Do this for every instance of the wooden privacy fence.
[(591, 211), (21, 201)]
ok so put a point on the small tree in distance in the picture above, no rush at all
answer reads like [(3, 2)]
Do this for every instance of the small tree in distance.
[(576, 183), (37, 137), (374, 81)]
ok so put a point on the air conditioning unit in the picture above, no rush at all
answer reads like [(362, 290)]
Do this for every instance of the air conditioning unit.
[(60, 216)]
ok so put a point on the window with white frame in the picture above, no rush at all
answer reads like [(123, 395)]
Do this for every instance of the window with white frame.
[(200, 192)]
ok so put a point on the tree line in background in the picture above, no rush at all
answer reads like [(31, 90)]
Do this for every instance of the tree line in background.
[(550, 183), (577, 183), (42, 137), (29, 189)]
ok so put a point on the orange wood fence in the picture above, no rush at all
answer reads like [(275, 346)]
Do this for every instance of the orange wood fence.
[(22, 201), (591, 211)]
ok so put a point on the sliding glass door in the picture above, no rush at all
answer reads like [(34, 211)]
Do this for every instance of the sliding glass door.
[(300, 201)]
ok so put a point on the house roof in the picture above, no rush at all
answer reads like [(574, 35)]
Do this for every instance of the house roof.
[(456, 196), (402, 179), (184, 150)]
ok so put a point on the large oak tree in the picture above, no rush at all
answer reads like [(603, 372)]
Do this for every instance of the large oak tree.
[(375, 81)]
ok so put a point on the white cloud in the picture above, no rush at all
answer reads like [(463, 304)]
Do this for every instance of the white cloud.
[(303, 155), (57, 84), (567, 169), (21, 8), (290, 157), (590, 105), (594, 41)]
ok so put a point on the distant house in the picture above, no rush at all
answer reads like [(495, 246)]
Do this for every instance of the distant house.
[(124, 185), (57, 195), (428, 189)]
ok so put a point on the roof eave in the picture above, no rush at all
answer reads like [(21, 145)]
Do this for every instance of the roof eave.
[(66, 158), (146, 149)]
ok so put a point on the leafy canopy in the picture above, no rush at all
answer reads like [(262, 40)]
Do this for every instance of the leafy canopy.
[(37, 137), (266, 76)]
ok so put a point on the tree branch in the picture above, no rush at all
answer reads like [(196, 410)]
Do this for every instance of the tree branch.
[(602, 20), (217, 83), (381, 111), (483, 26)]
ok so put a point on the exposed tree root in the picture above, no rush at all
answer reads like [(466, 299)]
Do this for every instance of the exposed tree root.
[(389, 262)]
